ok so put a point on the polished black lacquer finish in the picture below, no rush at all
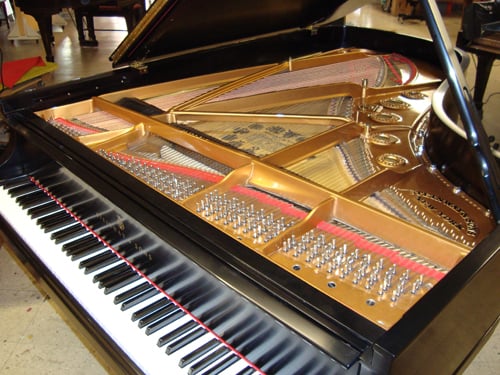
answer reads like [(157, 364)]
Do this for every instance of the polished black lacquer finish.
[(162, 263)]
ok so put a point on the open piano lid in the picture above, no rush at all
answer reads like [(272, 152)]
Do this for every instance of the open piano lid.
[(176, 26)]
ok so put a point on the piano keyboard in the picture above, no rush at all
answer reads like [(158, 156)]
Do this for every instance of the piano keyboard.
[(165, 312)]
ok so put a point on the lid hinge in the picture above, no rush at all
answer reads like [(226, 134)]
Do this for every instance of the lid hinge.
[(140, 66), (313, 30)]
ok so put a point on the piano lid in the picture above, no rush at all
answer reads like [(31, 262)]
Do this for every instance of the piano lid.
[(173, 27)]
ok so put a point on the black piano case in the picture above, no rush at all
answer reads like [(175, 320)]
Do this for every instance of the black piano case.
[(269, 175)]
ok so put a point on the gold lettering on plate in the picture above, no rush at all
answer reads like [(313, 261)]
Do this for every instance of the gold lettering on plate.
[(426, 199)]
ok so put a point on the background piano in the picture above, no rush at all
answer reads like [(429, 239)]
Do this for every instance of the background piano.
[(480, 35), (132, 10)]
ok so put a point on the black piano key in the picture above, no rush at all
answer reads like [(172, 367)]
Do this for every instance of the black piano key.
[(14, 182), (55, 217), (140, 261), (81, 205), (98, 225), (163, 322), (171, 276), (112, 237), (185, 293), (87, 212), (89, 218), (56, 188), (56, 221), (179, 331), (134, 301), (84, 252), (238, 334), (195, 298), (40, 204), (70, 199), (78, 243), (115, 275), (273, 360), (208, 360), (95, 222), (247, 371), (98, 261), (253, 342), (48, 182), (274, 352), (215, 317), (128, 249), (164, 274), (110, 272), (32, 200), (215, 314), (131, 293), (310, 367), (58, 224), (120, 282), (198, 352), (116, 233), (23, 190), (77, 200), (65, 234), (222, 365), (68, 235), (139, 314), (135, 295), (185, 340), (156, 315), (52, 178), (43, 210)]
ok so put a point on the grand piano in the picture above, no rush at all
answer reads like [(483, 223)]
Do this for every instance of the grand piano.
[(42, 11), (257, 188)]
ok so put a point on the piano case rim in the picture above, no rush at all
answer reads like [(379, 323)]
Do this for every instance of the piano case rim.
[(392, 343)]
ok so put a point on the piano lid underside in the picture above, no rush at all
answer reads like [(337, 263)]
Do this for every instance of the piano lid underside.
[(316, 164)]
